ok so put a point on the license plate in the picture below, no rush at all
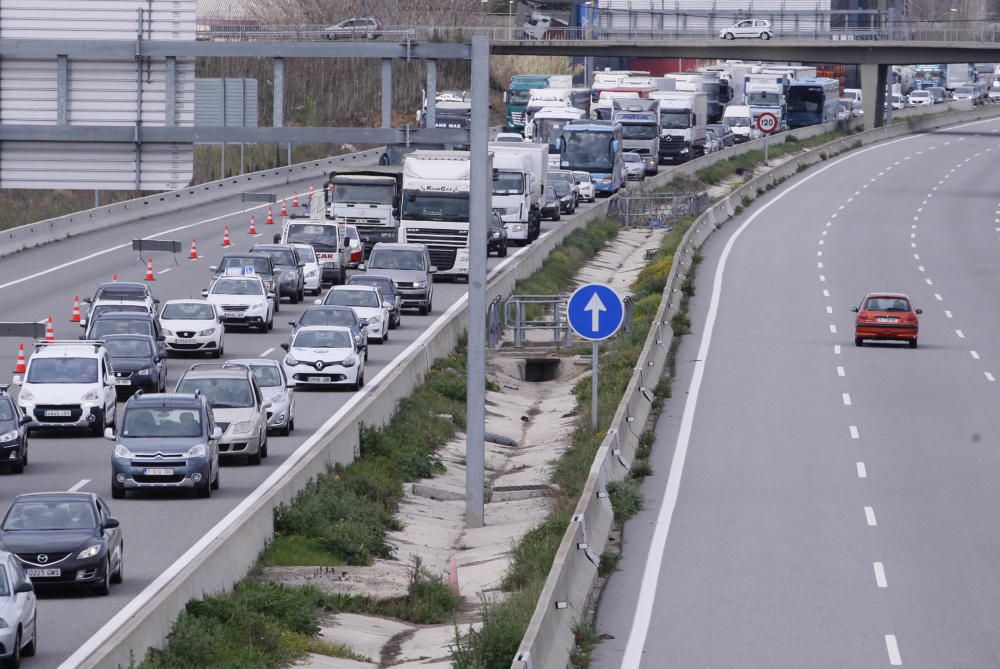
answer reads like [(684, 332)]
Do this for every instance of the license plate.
[(58, 412), (886, 319), (317, 379), (43, 573), (232, 314), (123, 382), (161, 471)]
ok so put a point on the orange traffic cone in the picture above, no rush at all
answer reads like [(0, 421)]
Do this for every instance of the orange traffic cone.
[(194, 250), (50, 333), (295, 199), (225, 237), (149, 271), (270, 217), (284, 211), (253, 225), (114, 277), (22, 366), (75, 317), (310, 193)]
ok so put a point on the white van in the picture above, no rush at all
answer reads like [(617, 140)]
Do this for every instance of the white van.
[(739, 119), (854, 95)]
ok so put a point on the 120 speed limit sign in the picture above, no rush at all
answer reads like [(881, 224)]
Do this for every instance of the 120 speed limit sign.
[(767, 123)]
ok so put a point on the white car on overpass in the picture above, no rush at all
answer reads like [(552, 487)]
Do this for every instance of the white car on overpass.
[(749, 28)]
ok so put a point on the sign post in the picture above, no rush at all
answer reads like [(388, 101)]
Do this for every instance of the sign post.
[(595, 312), (767, 123)]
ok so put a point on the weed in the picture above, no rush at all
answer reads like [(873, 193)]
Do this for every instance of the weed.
[(680, 324), (747, 200), (626, 499), (687, 287), (608, 564), (585, 638)]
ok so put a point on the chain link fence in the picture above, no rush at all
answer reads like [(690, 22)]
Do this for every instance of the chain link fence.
[(663, 210)]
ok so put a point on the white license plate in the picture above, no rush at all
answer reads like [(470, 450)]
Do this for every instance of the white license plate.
[(161, 471), (58, 412), (43, 573), (318, 379), (123, 382), (886, 319), (232, 314)]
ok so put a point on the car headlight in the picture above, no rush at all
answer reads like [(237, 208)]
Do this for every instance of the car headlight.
[(167, 333), (311, 273), (374, 320), (90, 396), (26, 395), (196, 451), (259, 306), (3, 624), (207, 333), (89, 552), (606, 180), (121, 451), (9, 436), (348, 362), (519, 227), (496, 235), (290, 361), (145, 372), (416, 284), (684, 150), (243, 427), (279, 396)]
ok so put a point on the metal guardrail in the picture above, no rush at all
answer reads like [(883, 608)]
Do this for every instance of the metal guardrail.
[(657, 209), (494, 331), (537, 312)]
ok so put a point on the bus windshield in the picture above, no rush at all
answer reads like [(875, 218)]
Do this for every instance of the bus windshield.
[(587, 150)]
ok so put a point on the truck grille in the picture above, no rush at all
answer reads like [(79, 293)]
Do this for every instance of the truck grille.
[(443, 259), (517, 118), (442, 244), (669, 144), (367, 221)]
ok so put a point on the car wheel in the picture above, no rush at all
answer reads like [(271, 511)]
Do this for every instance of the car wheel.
[(858, 341), (556, 216), (294, 298), (253, 459), (97, 428), (385, 335), (218, 473), (270, 323), (117, 491), (32, 648), (913, 343), (422, 310), (104, 587), (22, 462), (283, 431), (217, 353), (277, 303), (203, 491), (263, 446), (359, 383), (503, 250), (119, 574), (302, 293), (14, 661), (729, 36), (765, 36)]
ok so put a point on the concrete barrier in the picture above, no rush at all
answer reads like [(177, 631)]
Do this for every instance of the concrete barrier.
[(549, 640)]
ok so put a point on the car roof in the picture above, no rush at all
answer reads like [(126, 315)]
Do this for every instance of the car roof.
[(254, 362), (901, 296), (58, 496), (397, 246), (128, 285), (234, 277), (125, 315), (165, 399), (317, 307), (313, 328), (189, 300), (359, 279), (354, 287), (216, 373), (270, 247), (127, 335)]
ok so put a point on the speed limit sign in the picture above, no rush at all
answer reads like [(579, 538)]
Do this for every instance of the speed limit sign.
[(767, 123)]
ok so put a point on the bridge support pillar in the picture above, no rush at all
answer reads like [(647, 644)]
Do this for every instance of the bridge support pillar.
[(873, 80)]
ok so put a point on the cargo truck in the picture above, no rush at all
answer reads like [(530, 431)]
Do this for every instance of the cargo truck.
[(518, 183), (765, 92), (640, 121), (563, 98), (683, 116), (326, 236), (519, 93), (369, 200)]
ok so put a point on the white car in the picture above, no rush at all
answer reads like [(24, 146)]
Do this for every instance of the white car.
[(18, 634), (635, 170), (324, 355), (69, 384), (192, 326), (270, 376), (119, 296), (508, 137), (243, 300), (712, 142), (311, 270), (750, 28), (922, 98), (585, 183), (367, 303)]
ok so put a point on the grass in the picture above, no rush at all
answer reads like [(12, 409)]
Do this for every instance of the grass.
[(428, 601)]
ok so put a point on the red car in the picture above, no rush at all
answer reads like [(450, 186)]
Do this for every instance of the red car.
[(886, 317)]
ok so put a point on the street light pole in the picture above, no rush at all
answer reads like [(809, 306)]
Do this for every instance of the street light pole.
[(510, 19)]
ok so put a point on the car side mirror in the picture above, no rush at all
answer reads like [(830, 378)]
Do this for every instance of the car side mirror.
[(277, 239), (83, 337), (918, 311), (83, 322), (110, 523), (285, 346), (23, 586), (159, 357), (388, 305), (302, 264), (364, 322), (24, 420), (213, 268), (317, 301), (217, 433), (109, 433), (17, 380), (395, 212), (293, 324), (204, 293), (86, 300), (265, 406), (432, 270), (155, 301), (361, 267), (854, 309)]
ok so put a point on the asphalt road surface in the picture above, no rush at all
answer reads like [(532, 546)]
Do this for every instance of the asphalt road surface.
[(815, 504)]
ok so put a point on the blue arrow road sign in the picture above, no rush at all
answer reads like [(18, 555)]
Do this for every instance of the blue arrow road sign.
[(595, 311)]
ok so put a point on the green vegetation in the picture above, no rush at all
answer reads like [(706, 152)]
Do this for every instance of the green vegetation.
[(586, 638), (559, 269), (626, 498)]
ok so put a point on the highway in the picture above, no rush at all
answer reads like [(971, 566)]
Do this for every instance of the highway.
[(815, 504), (158, 528)]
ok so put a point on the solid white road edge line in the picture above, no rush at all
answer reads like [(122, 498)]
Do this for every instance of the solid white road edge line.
[(651, 572)]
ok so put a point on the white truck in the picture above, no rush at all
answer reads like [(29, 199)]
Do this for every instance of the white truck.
[(369, 200), (739, 119), (559, 98), (518, 183), (435, 208), (765, 92), (683, 115), (326, 236), (604, 107), (640, 121), (547, 125)]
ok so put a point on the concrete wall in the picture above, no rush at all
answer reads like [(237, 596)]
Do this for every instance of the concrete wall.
[(549, 640)]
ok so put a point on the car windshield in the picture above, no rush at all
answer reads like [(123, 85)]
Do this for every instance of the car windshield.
[(6, 410), (220, 393), (587, 150), (307, 253), (322, 339), (675, 120), (561, 188), (737, 121), (639, 131), (4, 590), (383, 283), (352, 298), (62, 370), (119, 308), (887, 304), (259, 265), (267, 376), (283, 257), (507, 183), (104, 327), (327, 317), (237, 287), (142, 422), (313, 234), (188, 311), (964, 90), (631, 158), (920, 94), (50, 515), (120, 293), (396, 259), (582, 177), (129, 348)]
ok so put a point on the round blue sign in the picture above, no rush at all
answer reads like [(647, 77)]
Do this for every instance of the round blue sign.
[(595, 311)]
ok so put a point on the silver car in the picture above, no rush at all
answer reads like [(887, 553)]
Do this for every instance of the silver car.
[(18, 632), (409, 265), (634, 168), (271, 379)]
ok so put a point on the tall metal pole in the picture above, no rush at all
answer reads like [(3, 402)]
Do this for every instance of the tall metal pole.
[(596, 353), (278, 109), (386, 92), (432, 84), (479, 212)]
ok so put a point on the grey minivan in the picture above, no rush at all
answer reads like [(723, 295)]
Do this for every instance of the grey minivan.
[(290, 280), (409, 266)]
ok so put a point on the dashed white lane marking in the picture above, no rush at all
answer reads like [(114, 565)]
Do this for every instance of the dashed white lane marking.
[(913, 235), (913, 245), (266, 353), (947, 313), (829, 309), (864, 185), (961, 335), (840, 371), (975, 355), (164, 271), (862, 471), (850, 199), (870, 516), (819, 265), (890, 644), (822, 278), (857, 193), (79, 484), (854, 432), (919, 209), (847, 399), (841, 206), (833, 329), (929, 282), (826, 293), (920, 268), (916, 256), (913, 227), (880, 575), (896, 163), (836, 349), (881, 174), (937, 296), (819, 254), (989, 377)]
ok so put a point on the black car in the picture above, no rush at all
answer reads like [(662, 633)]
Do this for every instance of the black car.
[(137, 364), (497, 239), (13, 434), (331, 314), (552, 208), (290, 279), (65, 538), (126, 322), (723, 132), (567, 198), (389, 294)]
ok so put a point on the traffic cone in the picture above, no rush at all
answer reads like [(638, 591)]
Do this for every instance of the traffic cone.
[(295, 199), (284, 211), (50, 333), (114, 277), (310, 193), (149, 271), (22, 366), (194, 250), (270, 217), (225, 237), (75, 318), (253, 225)]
